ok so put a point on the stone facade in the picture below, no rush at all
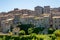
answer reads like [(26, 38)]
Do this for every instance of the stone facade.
[(25, 16)]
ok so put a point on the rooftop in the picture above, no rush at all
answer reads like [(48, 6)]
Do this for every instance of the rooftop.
[(56, 17)]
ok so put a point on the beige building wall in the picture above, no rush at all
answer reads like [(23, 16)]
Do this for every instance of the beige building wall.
[(56, 22), (5, 25)]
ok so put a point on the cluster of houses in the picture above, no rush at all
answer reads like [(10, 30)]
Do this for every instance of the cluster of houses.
[(49, 17)]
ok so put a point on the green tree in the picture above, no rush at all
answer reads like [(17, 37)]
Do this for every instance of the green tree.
[(57, 32), (33, 36), (25, 27), (22, 32), (30, 30), (58, 38), (38, 29), (50, 31)]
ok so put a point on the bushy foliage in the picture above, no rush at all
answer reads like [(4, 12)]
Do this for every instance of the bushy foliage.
[(30, 30), (57, 32), (25, 27), (50, 31), (32, 36), (58, 38), (22, 32), (38, 29)]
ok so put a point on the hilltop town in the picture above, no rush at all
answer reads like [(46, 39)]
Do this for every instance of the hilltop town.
[(41, 17)]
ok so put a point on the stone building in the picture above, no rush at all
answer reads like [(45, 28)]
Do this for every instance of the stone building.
[(6, 24), (56, 22), (38, 10), (46, 9)]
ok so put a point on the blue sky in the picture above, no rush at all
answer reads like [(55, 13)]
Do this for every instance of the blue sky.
[(7, 5)]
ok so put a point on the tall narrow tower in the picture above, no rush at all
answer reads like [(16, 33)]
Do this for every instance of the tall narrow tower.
[(39, 10), (46, 9)]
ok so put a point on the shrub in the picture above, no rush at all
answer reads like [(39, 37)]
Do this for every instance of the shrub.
[(58, 38), (50, 31), (22, 32), (30, 30), (7, 37), (57, 32)]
